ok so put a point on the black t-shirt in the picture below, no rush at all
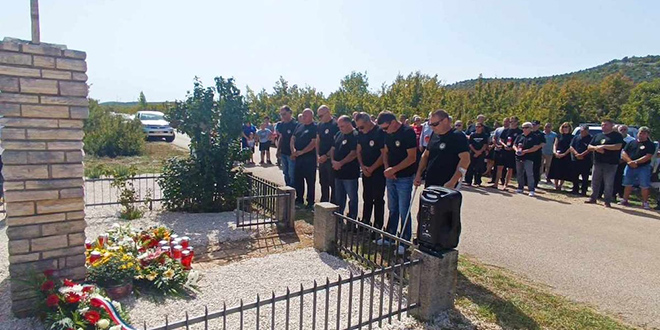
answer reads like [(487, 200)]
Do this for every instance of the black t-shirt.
[(580, 144), (344, 144), (636, 150), (609, 156), (371, 144), (478, 140), (527, 142), (538, 154), (304, 134), (397, 149), (509, 135), (286, 131), (327, 132), (443, 156)]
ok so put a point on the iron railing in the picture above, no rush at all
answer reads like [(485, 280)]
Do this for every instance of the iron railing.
[(261, 210), (359, 300), (100, 192), (369, 245)]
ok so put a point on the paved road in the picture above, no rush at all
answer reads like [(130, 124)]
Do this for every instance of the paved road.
[(181, 140), (607, 257)]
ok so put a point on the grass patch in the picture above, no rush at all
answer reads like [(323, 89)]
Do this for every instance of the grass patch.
[(493, 295), (151, 162)]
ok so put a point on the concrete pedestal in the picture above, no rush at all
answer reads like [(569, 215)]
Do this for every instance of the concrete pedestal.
[(433, 283)]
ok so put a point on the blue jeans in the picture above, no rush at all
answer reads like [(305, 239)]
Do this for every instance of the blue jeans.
[(399, 192), (288, 167), (347, 187)]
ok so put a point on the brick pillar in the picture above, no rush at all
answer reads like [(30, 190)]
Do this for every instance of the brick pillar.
[(43, 101)]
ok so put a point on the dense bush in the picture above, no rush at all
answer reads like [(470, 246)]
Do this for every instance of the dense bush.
[(208, 181), (112, 135)]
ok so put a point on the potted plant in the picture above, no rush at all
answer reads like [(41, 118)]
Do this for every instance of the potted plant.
[(114, 271)]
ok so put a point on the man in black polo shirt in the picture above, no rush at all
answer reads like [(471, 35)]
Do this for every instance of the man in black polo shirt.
[(327, 129), (370, 143), (447, 154), (606, 147), (581, 161), (478, 143), (285, 130), (507, 155), (347, 170), (537, 156), (303, 151), (399, 158), (638, 154)]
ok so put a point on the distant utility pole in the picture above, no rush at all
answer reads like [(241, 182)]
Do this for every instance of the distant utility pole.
[(34, 9)]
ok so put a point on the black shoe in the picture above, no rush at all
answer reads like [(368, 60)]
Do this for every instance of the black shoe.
[(657, 207), (590, 201), (269, 162), (608, 205), (575, 192)]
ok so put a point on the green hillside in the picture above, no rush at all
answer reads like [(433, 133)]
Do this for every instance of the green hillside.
[(638, 69)]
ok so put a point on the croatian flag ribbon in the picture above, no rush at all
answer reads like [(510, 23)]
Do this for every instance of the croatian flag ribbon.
[(111, 310)]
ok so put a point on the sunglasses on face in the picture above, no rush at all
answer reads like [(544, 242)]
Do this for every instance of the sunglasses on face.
[(526, 127), (435, 124), (360, 127)]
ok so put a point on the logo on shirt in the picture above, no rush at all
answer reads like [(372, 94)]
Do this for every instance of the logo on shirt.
[(602, 141), (427, 138), (642, 147), (442, 146), (327, 131), (344, 142), (306, 131), (371, 143), (288, 131), (397, 143)]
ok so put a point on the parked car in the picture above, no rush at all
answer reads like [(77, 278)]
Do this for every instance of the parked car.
[(594, 128), (155, 125)]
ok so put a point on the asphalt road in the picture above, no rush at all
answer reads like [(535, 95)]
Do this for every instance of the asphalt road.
[(609, 258)]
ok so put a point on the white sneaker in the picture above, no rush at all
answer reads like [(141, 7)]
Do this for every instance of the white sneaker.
[(401, 250), (519, 191), (532, 194)]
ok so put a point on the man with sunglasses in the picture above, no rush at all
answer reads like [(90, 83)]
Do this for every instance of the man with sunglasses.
[(447, 155), (399, 158), (370, 157), (327, 129)]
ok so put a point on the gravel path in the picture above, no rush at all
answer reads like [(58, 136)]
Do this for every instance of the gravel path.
[(245, 279)]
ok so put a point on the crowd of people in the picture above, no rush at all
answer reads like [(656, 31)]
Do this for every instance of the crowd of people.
[(392, 154)]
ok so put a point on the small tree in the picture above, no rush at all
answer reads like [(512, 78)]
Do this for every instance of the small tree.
[(208, 181), (142, 101)]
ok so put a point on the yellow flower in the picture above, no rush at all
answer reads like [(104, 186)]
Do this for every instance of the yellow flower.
[(169, 274), (151, 276)]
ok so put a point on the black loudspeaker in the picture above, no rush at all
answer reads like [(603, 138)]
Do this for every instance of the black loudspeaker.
[(439, 219)]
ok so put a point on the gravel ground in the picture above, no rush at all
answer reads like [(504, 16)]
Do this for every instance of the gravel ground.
[(245, 279)]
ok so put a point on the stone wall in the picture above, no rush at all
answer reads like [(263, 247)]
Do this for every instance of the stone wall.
[(43, 101)]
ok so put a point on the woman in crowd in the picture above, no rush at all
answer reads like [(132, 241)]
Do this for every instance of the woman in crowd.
[(560, 167)]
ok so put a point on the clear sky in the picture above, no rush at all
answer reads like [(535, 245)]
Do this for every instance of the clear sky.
[(158, 46)]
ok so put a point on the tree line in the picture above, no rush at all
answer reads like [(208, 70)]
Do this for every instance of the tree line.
[(569, 100)]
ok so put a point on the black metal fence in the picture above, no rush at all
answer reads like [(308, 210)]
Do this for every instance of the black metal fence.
[(373, 296), (369, 245), (359, 300), (263, 205)]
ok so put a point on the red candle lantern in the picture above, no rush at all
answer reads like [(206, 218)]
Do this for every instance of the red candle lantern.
[(186, 259), (95, 255), (176, 252), (185, 242)]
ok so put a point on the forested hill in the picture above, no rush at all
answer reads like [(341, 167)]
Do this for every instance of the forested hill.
[(638, 69)]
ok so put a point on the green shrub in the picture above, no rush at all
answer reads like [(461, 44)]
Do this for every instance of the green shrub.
[(207, 181), (111, 135)]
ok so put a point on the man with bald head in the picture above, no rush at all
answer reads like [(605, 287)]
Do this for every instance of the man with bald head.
[(325, 137), (347, 170), (370, 157), (303, 151)]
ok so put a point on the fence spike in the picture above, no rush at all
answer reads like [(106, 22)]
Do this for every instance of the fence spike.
[(272, 309), (224, 315), (206, 317), (338, 326), (241, 309)]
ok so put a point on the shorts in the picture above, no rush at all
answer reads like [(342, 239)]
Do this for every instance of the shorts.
[(507, 159), (640, 175), (264, 146)]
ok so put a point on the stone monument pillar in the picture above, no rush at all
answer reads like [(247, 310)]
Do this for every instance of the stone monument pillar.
[(43, 101)]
